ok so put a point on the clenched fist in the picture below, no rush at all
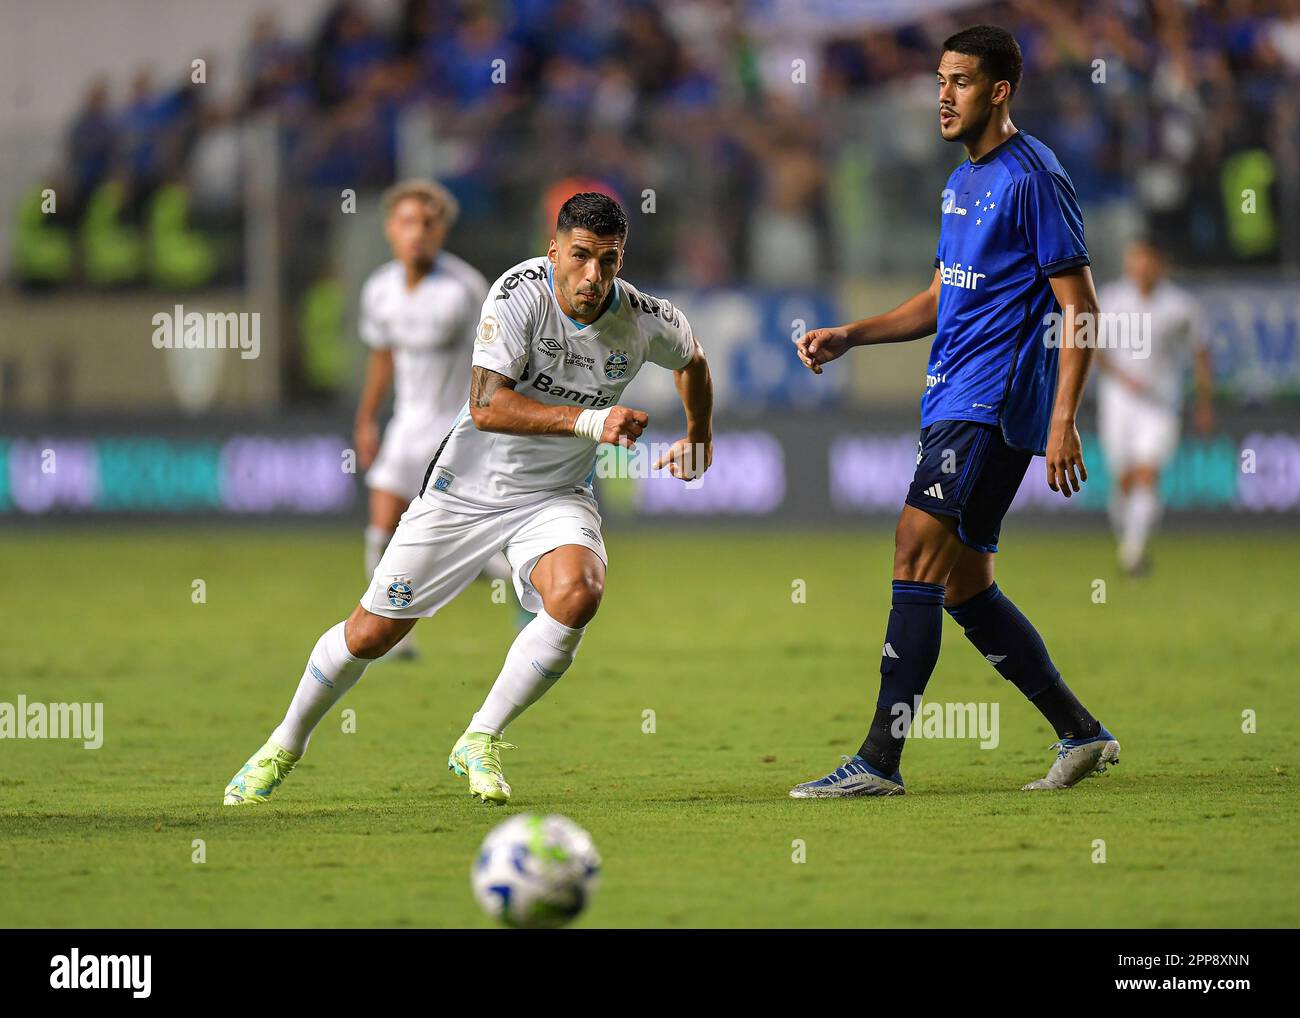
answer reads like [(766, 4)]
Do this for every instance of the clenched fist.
[(624, 426)]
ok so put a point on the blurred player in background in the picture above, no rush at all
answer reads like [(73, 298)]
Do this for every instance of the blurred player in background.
[(559, 340), (418, 314), (1140, 393), (1011, 252)]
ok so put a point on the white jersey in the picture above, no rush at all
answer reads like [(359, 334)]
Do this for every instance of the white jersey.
[(523, 334), (1174, 333), (430, 330)]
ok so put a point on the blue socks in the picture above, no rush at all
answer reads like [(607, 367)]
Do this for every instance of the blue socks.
[(907, 660), (1012, 645), (997, 629)]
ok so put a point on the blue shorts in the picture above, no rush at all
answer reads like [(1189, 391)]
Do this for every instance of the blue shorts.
[(964, 469)]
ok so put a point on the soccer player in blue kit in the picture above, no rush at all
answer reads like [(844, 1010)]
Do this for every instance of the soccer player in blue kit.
[(1002, 386)]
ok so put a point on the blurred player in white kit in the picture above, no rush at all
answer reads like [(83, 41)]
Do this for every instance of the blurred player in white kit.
[(419, 313), (1141, 390)]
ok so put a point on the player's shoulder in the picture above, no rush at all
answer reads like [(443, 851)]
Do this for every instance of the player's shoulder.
[(521, 282), (386, 277), (1178, 300), (649, 312), (1025, 158), (462, 271), (1180, 294)]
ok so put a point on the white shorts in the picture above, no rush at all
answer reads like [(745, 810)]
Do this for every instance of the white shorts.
[(442, 544), (404, 455), (1135, 432)]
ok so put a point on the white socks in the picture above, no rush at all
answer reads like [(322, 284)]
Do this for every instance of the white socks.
[(377, 539), (331, 671), (1140, 518), (541, 653), (1117, 510)]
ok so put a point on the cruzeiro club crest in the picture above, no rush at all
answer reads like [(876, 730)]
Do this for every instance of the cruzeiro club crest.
[(399, 594), (616, 365)]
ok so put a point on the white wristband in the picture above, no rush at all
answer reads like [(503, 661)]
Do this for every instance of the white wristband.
[(591, 424)]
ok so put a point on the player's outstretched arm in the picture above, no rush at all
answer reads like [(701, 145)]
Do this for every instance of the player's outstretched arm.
[(365, 433), (915, 318), (689, 457), (1075, 293), (495, 406)]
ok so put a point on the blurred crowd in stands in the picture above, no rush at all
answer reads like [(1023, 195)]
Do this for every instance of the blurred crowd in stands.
[(760, 175)]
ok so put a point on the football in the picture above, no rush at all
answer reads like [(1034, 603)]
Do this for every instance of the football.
[(535, 872)]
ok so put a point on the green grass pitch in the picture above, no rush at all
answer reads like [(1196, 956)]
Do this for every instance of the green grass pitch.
[(751, 691)]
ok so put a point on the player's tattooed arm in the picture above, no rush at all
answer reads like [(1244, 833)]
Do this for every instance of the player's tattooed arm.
[(1075, 293), (483, 384), (495, 406)]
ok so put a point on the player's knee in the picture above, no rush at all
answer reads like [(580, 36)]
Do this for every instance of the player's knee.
[(972, 575), (574, 599), (372, 636), (913, 559)]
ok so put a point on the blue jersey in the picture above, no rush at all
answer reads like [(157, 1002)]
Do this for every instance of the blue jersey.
[(1010, 220)]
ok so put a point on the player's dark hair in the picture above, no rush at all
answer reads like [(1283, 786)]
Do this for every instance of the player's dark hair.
[(599, 213), (996, 48)]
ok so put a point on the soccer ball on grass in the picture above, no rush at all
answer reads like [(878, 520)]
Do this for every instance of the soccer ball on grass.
[(535, 872)]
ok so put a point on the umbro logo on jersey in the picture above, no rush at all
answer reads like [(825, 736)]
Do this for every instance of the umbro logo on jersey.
[(934, 491), (553, 347)]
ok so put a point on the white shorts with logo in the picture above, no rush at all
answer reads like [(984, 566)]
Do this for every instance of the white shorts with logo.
[(1135, 431), (404, 455), (442, 544)]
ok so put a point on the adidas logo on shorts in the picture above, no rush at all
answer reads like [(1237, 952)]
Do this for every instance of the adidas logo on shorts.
[(934, 491)]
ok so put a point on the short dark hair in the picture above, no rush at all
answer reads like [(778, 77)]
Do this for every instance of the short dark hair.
[(589, 210), (996, 48)]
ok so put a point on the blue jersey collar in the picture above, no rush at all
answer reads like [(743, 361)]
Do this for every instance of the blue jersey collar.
[(988, 156)]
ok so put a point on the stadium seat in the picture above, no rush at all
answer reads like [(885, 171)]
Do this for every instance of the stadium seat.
[(112, 251), (180, 258), (42, 249), (320, 328), (1250, 233)]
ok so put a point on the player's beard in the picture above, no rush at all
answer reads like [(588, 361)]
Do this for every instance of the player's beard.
[(578, 301), (969, 126)]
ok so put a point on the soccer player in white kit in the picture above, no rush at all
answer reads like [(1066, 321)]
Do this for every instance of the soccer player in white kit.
[(558, 341), (1140, 395), (418, 316)]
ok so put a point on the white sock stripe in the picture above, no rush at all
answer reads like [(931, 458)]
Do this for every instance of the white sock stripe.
[(540, 654), (331, 671)]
